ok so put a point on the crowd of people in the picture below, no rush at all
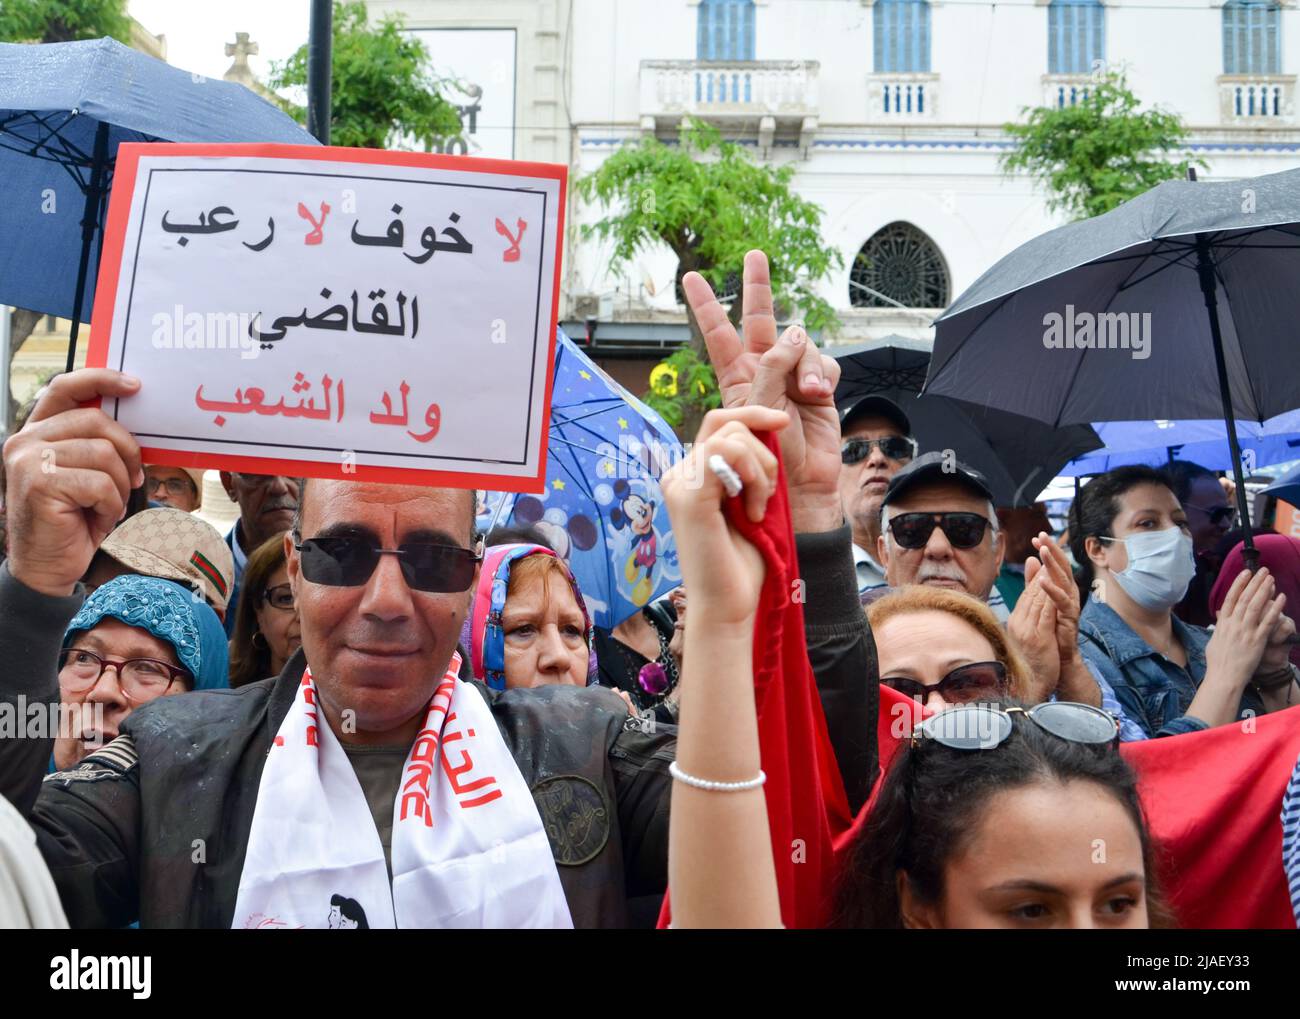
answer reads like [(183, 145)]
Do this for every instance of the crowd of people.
[(354, 710)]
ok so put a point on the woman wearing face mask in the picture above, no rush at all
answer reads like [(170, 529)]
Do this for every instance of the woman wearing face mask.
[(1131, 537)]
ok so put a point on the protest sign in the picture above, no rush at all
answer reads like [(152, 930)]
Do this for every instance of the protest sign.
[(331, 312)]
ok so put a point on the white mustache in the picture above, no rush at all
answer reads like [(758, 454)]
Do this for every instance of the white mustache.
[(931, 570)]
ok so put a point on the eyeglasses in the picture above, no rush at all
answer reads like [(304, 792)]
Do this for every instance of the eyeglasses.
[(896, 447), (1217, 515), (983, 727), (963, 530), (960, 686), (279, 597), (347, 561), (174, 486), (140, 678)]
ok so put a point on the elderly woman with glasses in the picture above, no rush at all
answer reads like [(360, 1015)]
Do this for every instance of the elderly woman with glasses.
[(134, 640), (267, 631)]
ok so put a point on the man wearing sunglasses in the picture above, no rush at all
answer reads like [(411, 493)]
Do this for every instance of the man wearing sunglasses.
[(875, 442), (939, 527), (539, 830), (1210, 516)]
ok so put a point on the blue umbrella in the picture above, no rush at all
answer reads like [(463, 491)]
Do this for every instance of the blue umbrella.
[(1204, 442), (1287, 487), (64, 110), (602, 509)]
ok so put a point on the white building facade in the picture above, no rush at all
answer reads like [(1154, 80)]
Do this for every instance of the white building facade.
[(892, 112)]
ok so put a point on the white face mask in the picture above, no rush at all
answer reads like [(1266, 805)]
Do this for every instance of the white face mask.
[(1160, 566)]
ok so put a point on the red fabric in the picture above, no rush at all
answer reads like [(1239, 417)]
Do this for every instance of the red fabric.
[(1213, 803), (806, 803)]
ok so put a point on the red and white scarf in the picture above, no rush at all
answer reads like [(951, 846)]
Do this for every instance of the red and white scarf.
[(468, 848)]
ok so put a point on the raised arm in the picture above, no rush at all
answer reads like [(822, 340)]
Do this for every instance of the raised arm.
[(720, 867)]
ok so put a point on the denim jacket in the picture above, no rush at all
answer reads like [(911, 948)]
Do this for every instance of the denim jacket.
[(1154, 692)]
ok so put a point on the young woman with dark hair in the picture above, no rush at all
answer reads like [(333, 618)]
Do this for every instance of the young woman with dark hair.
[(1037, 831), (1131, 537)]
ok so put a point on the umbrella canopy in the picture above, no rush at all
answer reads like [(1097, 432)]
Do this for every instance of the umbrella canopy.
[(64, 110), (1000, 343), (1018, 455), (1277, 440), (1287, 487), (602, 509), (1180, 303)]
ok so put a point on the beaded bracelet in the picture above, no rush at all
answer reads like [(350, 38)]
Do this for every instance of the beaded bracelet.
[(716, 787)]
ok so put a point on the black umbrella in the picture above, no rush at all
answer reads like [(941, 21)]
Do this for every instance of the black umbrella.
[(1181, 303), (1018, 455)]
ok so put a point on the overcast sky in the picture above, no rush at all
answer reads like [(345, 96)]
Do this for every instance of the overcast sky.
[(197, 30)]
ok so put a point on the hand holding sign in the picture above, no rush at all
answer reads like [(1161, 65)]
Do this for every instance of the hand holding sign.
[(69, 473)]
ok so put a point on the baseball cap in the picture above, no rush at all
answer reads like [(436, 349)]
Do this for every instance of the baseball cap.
[(879, 406), (175, 545), (935, 466)]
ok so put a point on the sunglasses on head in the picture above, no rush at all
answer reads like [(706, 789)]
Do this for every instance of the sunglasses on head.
[(350, 560), (896, 447), (961, 685), (913, 530), (984, 727)]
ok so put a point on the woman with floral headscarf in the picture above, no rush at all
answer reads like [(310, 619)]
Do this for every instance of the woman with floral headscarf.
[(528, 624), (134, 639)]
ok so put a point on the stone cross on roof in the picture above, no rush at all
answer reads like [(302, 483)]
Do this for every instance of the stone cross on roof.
[(241, 49)]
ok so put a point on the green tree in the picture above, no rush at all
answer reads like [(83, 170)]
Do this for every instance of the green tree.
[(1100, 152), (54, 21), (383, 88), (63, 20), (709, 202)]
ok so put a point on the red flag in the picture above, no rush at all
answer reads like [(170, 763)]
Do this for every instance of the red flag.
[(806, 803), (1213, 803)]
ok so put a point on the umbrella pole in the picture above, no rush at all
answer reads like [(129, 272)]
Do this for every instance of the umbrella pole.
[(89, 222), (1205, 271)]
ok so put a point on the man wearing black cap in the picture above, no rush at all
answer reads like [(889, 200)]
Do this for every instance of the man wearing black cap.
[(940, 528), (875, 443)]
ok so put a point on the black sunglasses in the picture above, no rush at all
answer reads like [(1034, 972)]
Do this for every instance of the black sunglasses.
[(896, 447), (349, 561), (1217, 515), (963, 684), (913, 530), (984, 727)]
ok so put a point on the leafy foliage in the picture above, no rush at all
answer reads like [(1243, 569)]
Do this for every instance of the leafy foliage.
[(383, 87), (1100, 152), (63, 20), (683, 387), (709, 202)]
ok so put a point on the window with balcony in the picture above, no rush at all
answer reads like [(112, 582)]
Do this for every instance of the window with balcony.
[(1252, 37), (899, 267), (725, 30), (1076, 36), (901, 36)]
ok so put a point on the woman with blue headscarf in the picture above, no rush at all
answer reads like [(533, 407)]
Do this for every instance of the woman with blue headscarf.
[(134, 640)]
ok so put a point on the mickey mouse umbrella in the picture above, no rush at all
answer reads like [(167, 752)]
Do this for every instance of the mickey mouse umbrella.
[(602, 509)]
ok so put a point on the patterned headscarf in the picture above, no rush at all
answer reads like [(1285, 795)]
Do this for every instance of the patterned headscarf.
[(481, 634), (170, 613)]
